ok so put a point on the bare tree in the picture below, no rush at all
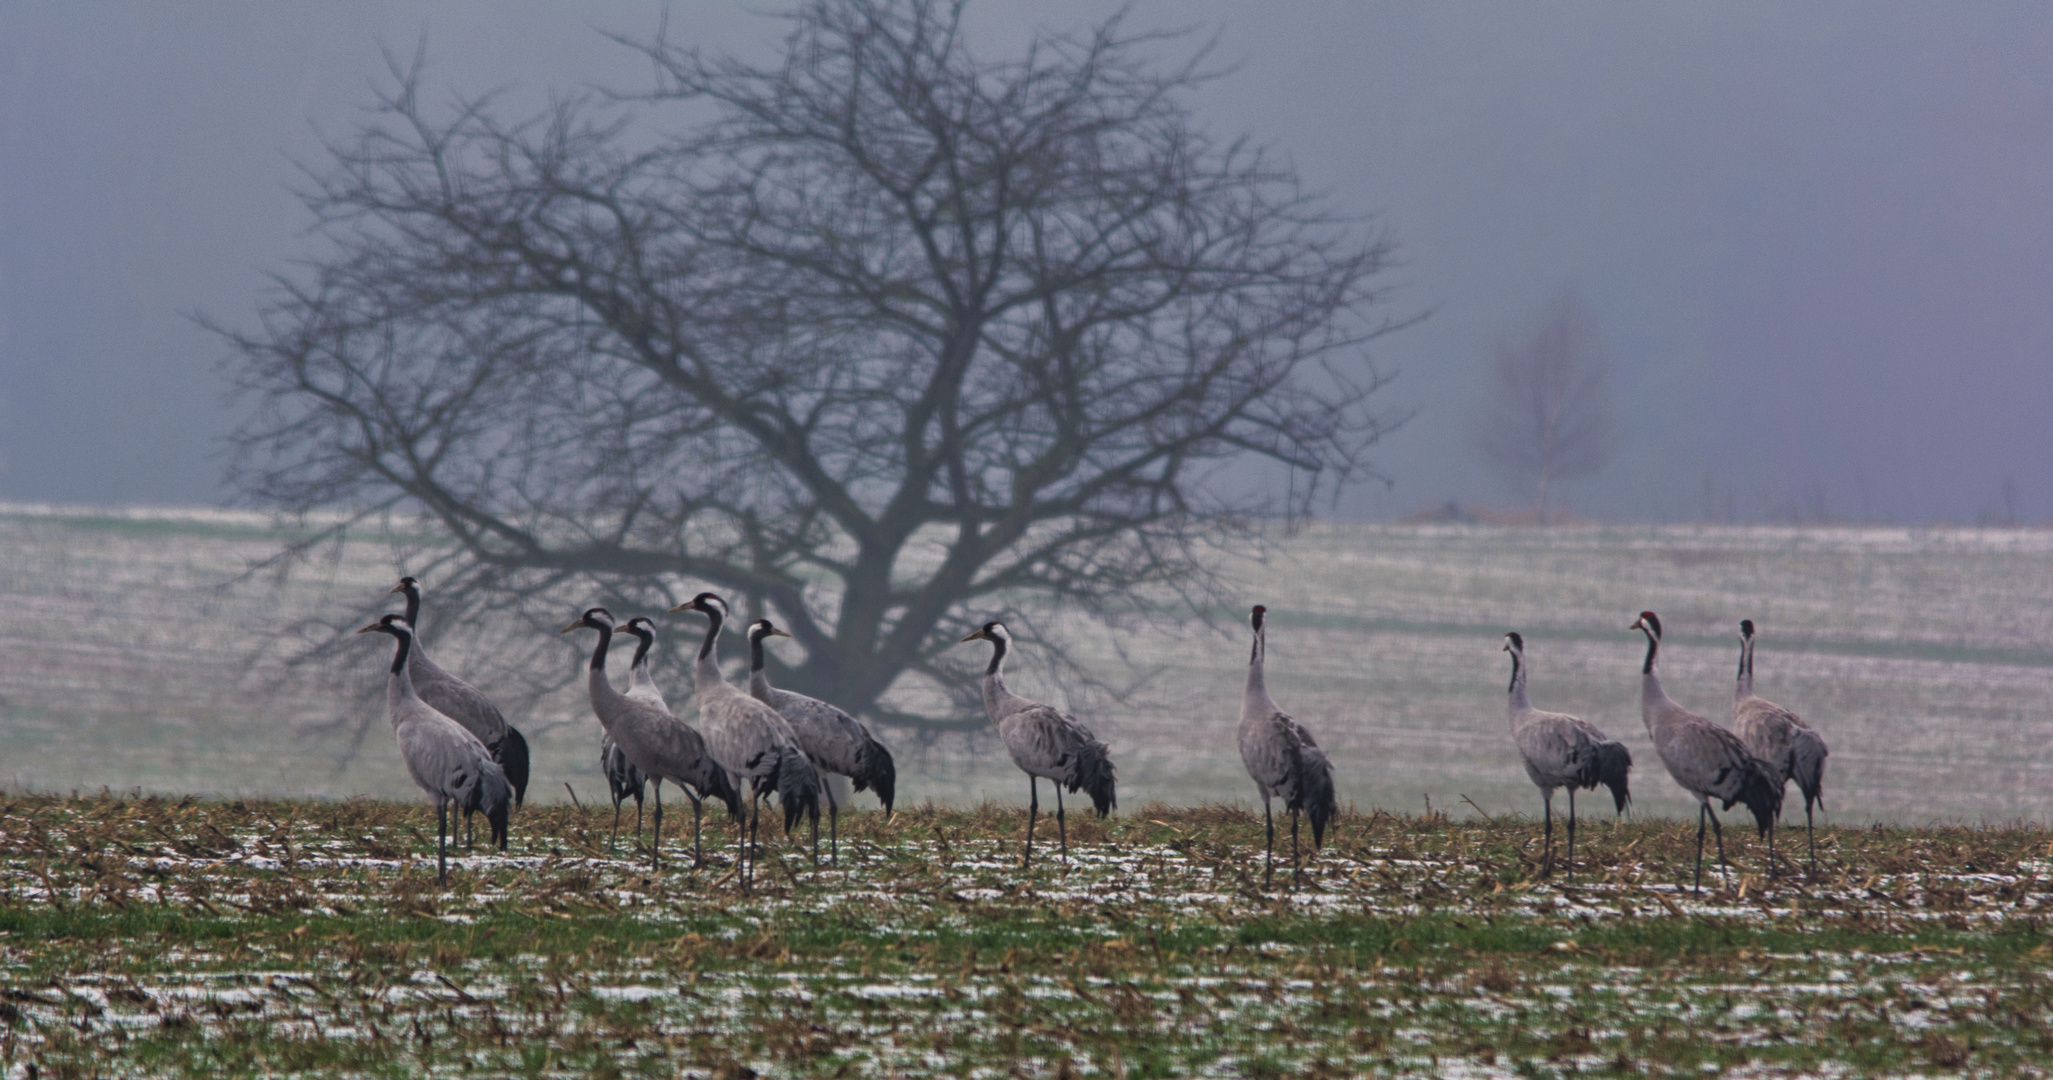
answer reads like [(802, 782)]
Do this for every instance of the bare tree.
[(1548, 415), (886, 337)]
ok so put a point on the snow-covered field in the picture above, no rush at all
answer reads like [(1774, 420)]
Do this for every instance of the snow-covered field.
[(128, 659)]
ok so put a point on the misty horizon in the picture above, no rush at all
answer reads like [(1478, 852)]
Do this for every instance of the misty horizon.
[(1813, 240)]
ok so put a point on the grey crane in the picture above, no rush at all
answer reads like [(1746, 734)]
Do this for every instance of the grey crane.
[(444, 758), (658, 744), (466, 704), (623, 780), (1044, 741), (1707, 760), (1779, 737), (1282, 757), (749, 739), (836, 741), (1562, 751)]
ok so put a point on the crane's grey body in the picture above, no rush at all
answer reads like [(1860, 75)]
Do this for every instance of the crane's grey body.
[(464, 703), (1708, 761), (1562, 751), (1791, 748), (623, 780), (1044, 742), (445, 760), (836, 742), (748, 738), (657, 744), (1282, 758)]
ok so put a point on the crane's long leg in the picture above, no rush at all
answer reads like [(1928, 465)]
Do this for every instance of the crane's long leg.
[(1268, 843), (441, 853), (816, 829), (615, 841), (1297, 873), (656, 847), (1571, 834), (741, 848), (1033, 809), (1702, 809), (1547, 813), (833, 825), (1717, 830), (637, 816), (1811, 834), (755, 854), (1771, 851), (1059, 826), (698, 859)]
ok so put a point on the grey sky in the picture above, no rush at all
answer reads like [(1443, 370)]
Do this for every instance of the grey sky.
[(1818, 238)]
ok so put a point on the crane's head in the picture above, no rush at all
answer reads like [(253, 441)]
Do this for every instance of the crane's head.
[(1746, 629), (763, 628), (990, 631), (396, 625), (597, 618), (640, 626), (408, 584), (1649, 622), (705, 603), (1255, 617), (1514, 643)]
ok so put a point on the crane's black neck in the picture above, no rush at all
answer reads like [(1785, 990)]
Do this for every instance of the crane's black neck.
[(641, 651), (1653, 646), (605, 639), (755, 649), (998, 647), (1517, 671), (413, 603), (713, 621), (405, 638)]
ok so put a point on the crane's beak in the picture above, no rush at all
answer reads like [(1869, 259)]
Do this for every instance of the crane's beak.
[(371, 629), (395, 589), (1638, 624), (972, 637), (571, 627), (774, 632), (686, 606)]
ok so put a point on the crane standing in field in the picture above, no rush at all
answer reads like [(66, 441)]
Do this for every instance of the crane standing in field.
[(835, 741), (1562, 751), (444, 758), (749, 739), (1792, 748), (1283, 759), (623, 780), (1044, 741), (466, 704), (658, 744), (1707, 760)]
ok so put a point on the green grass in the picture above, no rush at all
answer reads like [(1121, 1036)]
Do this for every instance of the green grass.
[(192, 938)]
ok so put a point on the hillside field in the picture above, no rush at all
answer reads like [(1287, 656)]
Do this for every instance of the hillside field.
[(135, 654)]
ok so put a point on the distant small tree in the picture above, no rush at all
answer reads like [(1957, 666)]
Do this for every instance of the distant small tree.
[(1548, 415)]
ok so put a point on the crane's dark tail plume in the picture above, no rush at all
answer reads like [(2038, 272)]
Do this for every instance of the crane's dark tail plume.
[(511, 752), (493, 795), (1314, 794), (877, 772), (798, 786), (1762, 796), (714, 783), (1614, 762), (1807, 767), (1092, 774)]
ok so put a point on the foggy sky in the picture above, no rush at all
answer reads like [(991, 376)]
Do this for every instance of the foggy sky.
[(1818, 239)]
